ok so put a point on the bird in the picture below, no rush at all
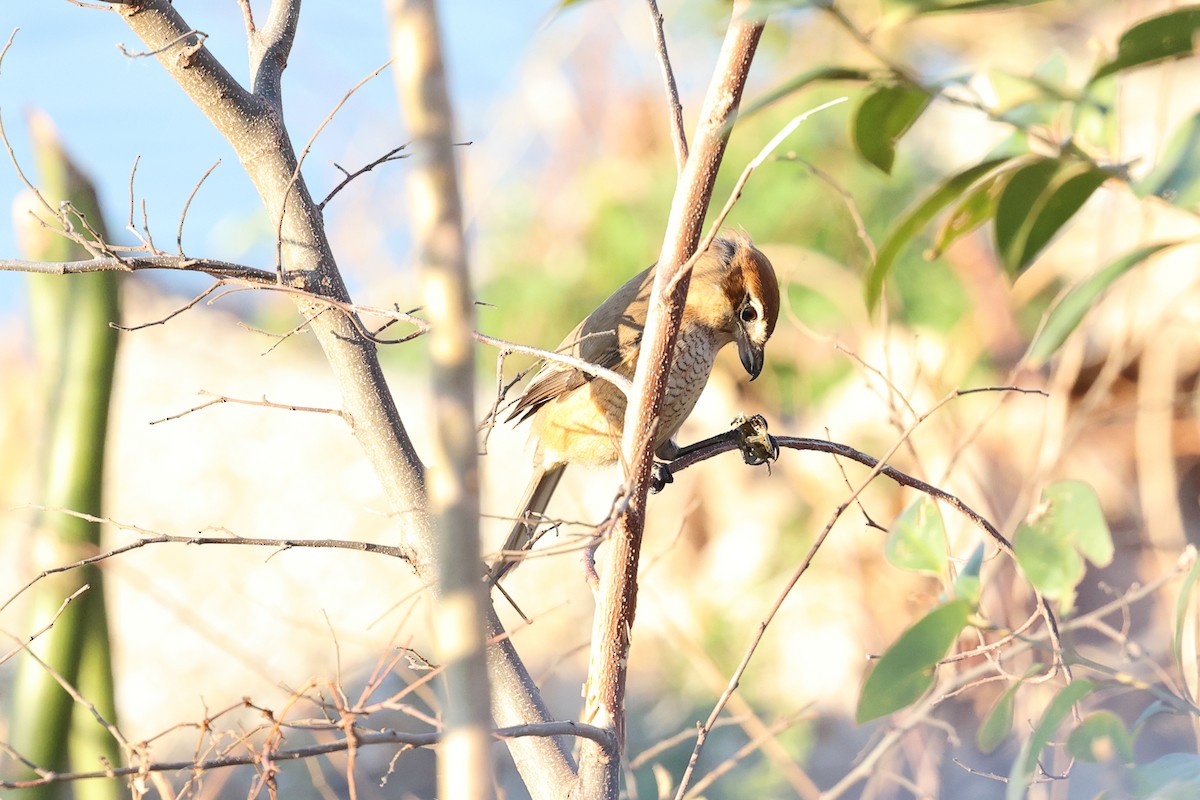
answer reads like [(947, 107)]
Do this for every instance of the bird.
[(577, 418)]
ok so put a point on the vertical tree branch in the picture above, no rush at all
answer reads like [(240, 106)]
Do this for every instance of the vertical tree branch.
[(617, 600), (453, 481)]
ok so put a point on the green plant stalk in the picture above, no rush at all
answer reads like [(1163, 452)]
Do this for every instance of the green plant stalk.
[(77, 350)]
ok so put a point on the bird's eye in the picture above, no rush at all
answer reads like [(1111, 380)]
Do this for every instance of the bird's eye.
[(749, 314)]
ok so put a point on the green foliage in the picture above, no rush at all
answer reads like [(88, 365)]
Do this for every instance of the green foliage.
[(968, 586), (883, 116), (1056, 712), (1066, 314), (1185, 623), (915, 220), (917, 539), (1066, 527), (907, 670), (1155, 39), (1101, 736), (998, 723), (1176, 177), (1037, 200)]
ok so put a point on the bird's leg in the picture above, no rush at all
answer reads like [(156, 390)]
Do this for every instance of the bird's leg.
[(750, 434)]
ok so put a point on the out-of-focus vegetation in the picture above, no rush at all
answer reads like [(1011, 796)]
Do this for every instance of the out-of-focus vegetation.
[(1008, 199), (1005, 197)]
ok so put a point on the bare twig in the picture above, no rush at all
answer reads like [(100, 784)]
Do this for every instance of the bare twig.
[(390, 155), (291, 185), (218, 399), (719, 771), (22, 644), (150, 537), (674, 108), (200, 37), (8, 44), (878, 466), (188, 204), (174, 313)]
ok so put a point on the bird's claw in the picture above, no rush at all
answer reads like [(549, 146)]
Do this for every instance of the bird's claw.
[(660, 476), (757, 446)]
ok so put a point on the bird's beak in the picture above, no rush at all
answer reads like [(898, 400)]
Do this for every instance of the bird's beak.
[(750, 353)]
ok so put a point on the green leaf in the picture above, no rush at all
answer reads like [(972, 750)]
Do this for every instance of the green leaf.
[(976, 208), (1036, 202), (916, 219), (1076, 512), (1151, 711), (1101, 737), (1066, 525), (998, 722), (1027, 760), (1183, 604), (917, 539), (1155, 39), (883, 117), (1176, 177), (1066, 315), (906, 670), (967, 586), (1093, 119), (1175, 775)]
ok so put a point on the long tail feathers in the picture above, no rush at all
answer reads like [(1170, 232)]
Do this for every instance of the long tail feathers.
[(528, 516)]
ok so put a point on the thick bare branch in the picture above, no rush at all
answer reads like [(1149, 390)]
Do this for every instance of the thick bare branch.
[(618, 588)]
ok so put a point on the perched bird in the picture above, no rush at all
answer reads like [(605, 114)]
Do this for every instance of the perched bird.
[(733, 296)]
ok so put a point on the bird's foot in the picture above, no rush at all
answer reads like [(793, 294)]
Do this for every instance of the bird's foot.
[(757, 446), (660, 476)]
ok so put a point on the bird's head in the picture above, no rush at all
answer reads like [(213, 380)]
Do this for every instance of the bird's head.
[(735, 290)]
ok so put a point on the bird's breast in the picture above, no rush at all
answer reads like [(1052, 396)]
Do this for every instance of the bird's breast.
[(584, 426), (695, 351)]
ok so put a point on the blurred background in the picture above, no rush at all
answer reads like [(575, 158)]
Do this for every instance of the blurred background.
[(568, 176)]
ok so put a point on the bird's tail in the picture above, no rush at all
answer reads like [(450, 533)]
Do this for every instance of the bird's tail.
[(529, 514)]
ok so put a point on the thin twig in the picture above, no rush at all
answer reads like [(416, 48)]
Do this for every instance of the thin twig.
[(150, 537), (22, 644), (176, 312), (200, 37), (218, 399), (390, 155), (674, 108), (188, 204), (8, 44), (303, 154)]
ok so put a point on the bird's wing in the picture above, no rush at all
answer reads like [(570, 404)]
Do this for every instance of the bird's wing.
[(609, 338)]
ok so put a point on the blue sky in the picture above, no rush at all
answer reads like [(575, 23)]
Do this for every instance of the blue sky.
[(110, 109)]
